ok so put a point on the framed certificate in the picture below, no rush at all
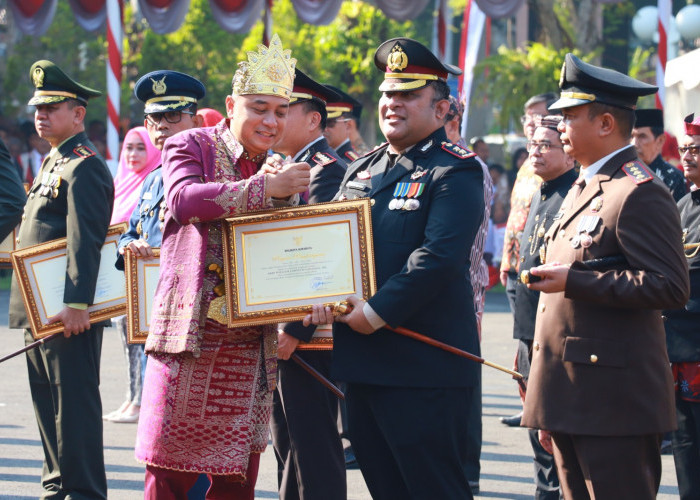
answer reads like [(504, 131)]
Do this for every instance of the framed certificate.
[(7, 246), (41, 275), (141, 280), (278, 263)]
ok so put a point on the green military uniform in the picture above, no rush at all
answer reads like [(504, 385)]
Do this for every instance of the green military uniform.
[(12, 195), (71, 197)]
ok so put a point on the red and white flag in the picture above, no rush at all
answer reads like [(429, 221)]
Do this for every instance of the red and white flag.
[(474, 21), (664, 10)]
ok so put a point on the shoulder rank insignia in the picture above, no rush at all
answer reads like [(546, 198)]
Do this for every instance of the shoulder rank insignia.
[(84, 151), (376, 148), (637, 172), (323, 159), (352, 156), (457, 151)]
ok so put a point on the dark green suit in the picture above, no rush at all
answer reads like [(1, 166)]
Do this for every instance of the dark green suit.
[(12, 195), (64, 373)]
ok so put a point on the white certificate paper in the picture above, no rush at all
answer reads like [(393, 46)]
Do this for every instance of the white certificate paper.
[(305, 262)]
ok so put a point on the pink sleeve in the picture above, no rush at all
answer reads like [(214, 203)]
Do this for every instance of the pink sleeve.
[(190, 198)]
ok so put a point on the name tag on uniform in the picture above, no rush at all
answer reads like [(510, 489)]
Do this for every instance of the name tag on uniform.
[(357, 185)]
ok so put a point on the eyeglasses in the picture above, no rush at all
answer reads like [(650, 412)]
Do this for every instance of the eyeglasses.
[(529, 118), (544, 147), (694, 149), (170, 116)]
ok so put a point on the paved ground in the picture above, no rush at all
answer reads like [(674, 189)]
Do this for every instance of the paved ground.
[(505, 460)]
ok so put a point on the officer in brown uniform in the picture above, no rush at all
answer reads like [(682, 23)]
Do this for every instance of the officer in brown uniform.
[(71, 198), (600, 380)]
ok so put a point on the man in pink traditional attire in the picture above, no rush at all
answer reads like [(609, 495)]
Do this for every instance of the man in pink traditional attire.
[(208, 389)]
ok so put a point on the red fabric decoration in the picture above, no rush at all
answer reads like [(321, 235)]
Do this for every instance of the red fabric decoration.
[(230, 5), (159, 4), (28, 7), (92, 6)]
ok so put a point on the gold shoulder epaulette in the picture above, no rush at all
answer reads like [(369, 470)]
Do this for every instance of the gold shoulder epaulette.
[(323, 159), (637, 172), (457, 151), (84, 151)]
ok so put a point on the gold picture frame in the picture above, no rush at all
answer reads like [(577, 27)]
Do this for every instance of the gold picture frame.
[(280, 262), (7, 246), (141, 281), (40, 272)]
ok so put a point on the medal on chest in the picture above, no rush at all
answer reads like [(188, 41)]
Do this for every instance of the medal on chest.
[(406, 196)]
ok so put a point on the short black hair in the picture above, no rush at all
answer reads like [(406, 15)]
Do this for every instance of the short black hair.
[(657, 131), (442, 90), (318, 106), (624, 117)]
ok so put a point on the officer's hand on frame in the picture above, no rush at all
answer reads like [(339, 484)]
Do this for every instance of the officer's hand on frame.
[(504, 278), (319, 315), (293, 178), (140, 248), (286, 345), (75, 321), (553, 277), (356, 319)]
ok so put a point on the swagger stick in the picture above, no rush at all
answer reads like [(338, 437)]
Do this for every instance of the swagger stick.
[(317, 375), (32, 346), (345, 308)]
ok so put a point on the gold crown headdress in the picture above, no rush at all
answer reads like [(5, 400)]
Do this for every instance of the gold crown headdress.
[(268, 71)]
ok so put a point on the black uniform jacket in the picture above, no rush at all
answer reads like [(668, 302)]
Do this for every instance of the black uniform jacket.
[(543, 211), (12, 196), (421, 258), (327, 171), (79, 208), (683, 325), (346, 152), (671, 176)]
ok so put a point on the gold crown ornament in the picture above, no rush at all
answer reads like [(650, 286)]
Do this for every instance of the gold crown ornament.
[(269, 71)]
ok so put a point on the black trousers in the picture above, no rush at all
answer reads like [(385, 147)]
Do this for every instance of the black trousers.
[(472, 467), (410, 443), (310, 459), (64, 379), (686, 449)]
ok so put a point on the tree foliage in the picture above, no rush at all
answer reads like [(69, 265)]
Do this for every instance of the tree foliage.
[(511, 76)]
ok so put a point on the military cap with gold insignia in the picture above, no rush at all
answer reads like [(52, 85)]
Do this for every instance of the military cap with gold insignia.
[(583, 83), (166, 90), (409, 65), (54, 86), (343, 106)]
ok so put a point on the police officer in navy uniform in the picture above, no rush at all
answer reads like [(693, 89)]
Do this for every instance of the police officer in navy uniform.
[(340, 114), (648, 138), (71, 198), (170, 99), (406, 400), (600, 379), (305, 436)]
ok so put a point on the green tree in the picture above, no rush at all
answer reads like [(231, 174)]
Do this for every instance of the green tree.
[(79, 53), (511, 76)]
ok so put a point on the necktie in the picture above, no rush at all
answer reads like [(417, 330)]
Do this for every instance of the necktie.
[(579, 186)]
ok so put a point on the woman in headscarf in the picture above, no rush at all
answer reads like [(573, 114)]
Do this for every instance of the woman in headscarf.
[(138, 158)]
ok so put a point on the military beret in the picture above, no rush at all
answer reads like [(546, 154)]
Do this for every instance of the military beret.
[(53, 85), (409, 65), (583, 83), (166, 90)]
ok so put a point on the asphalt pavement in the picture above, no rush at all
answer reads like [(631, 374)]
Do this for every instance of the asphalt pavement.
[(506, 462)]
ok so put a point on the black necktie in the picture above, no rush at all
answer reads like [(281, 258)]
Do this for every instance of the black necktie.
[(579, 186)]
